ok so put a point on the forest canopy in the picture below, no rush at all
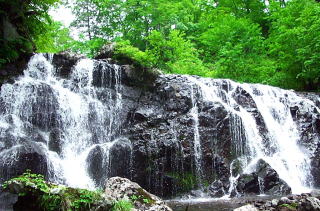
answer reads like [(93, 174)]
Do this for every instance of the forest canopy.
[(275, 42)]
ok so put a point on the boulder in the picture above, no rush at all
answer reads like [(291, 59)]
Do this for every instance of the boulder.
[(118, 188), (216, 189), (64, 62), (270, 181), (107, 51), (310, 204), (95, 165), (263, 180), (18, 159), (55, 138)]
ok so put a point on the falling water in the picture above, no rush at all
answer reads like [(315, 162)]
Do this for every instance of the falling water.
[(283, 153), (197, 144), (70, 109)]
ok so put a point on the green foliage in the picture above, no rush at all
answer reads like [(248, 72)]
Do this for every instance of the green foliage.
[(27, 27), (53, 197), (122, 205), (292, 206), (133, 55), (186, 181), (87, 47), (275, 43), (294, 41), (55, 38), (141, 199), (175, 54), (236, 47)]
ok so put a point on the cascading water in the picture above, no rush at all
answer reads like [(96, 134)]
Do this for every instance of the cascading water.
[(80, 119), (197, 144), (281, 149)]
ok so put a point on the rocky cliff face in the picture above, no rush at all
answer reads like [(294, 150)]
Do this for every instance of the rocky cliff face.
[(82, 122)]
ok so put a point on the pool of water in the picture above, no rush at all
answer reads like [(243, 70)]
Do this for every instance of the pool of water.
[(209, 204)]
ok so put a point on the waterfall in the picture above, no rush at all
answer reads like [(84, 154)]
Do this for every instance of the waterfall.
[(197, 144), (281, 149), (95, 123), (83, 117)]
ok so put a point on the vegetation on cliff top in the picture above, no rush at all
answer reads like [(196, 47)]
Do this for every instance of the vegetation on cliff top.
[(272, 42)]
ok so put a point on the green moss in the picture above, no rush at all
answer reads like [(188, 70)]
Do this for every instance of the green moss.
[(122, 205), (292, 206), (186, 181), (51, 197)]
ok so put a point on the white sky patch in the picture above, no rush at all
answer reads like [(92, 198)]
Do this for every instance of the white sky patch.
[(63, 15)]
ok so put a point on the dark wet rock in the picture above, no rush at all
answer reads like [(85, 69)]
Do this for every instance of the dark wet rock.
[(14, 69), (120, 156), (41, 110), (216, 189), (106, 52), (7, 200), (270, 180), (143, 78), (19, 158), (55, 140), (64, 62), (248, 184), (264, 180), (95, 165), (310, 204)]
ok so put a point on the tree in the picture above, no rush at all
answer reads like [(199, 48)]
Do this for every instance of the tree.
[(235, 47), (23, 22), (294, 41), (86, 22)]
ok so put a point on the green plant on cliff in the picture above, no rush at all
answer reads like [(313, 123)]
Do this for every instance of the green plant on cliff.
[(186, 181), (122, 205)]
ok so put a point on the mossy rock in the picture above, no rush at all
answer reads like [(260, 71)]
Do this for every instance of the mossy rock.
[(36, 194)]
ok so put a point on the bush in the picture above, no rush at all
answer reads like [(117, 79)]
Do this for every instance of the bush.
[(122, 205), (125, 52)]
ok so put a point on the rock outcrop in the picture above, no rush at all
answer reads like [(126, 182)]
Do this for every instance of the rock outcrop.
[(264, 180), (118, 188)]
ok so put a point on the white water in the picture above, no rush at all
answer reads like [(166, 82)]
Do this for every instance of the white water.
[(81, 116), (197, 145), (283, 153)]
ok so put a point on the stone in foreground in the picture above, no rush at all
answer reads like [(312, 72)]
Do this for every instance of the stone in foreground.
[(118, 188)]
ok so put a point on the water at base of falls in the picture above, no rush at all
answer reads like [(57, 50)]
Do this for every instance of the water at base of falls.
[(78, 119)]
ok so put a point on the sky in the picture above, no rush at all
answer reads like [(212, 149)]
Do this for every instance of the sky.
[(63, 15)]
